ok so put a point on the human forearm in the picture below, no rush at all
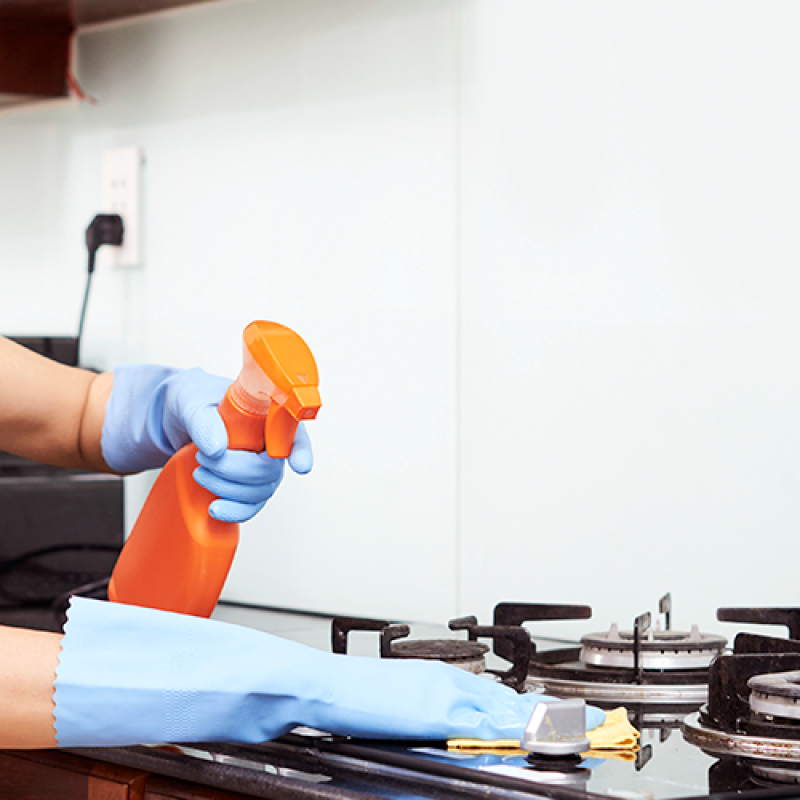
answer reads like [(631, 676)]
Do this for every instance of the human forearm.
[(50, 412), (28, 661)]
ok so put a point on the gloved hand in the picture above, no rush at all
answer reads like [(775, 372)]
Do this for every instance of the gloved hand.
[(153, 411), (130, 675)]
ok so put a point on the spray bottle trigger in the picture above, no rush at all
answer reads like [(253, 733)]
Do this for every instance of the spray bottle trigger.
[(281, 424), (280, 428)]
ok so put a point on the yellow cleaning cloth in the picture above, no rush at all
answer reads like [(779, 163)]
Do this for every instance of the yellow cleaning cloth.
[(482, 747), (615, 734)]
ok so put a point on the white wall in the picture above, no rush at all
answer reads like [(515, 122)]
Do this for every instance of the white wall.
[(545, 254), (630, 388)]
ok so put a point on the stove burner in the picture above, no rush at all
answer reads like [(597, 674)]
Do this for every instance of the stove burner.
[(647, 667), (776, 695), (658, 650), (737, 775), (466, 654), (753, 708)]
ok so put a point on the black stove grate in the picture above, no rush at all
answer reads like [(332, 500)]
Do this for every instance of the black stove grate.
[(394, 644), (728, 707)]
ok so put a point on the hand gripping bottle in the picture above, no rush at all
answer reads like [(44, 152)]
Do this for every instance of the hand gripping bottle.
[(177, 556)]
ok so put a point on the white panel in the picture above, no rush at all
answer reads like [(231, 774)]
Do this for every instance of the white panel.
[(299, 167), (630, 284), (625, 187)]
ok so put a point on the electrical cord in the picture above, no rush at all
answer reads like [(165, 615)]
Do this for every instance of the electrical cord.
[(83, 316), (103, 229)]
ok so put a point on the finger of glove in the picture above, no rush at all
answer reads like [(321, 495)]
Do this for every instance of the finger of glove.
[(208, 431), (489, 710), (238, 492), (241, 466), (301, 459), (190, 410), (595, 717), (229, 511)]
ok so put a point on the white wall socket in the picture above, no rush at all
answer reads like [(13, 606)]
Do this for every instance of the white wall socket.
[(121, 175)]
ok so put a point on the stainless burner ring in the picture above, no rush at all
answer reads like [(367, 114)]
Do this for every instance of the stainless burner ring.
[(776, 694), (720, 743), (658, 650), (595, 691)]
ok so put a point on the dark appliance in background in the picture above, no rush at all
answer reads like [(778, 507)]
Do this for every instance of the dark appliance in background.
[(61, 530)]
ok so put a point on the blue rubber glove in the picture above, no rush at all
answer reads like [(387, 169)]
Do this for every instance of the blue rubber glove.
[(153, 411), (130, 675)]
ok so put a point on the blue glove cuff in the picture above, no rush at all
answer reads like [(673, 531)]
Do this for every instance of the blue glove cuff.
[(153, 411), (131, 675), (133, 437)]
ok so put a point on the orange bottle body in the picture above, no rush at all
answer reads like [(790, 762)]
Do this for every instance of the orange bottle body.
[(177, 556)]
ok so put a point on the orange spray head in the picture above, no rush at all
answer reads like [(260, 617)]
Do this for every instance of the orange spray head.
[(278, 379)]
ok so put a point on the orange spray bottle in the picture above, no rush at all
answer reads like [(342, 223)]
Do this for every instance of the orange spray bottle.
[(177, 557)]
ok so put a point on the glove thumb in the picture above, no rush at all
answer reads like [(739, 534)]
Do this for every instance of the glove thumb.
[(208, 432)]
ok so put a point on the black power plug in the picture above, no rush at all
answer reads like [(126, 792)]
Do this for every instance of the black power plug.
[(103, 229)]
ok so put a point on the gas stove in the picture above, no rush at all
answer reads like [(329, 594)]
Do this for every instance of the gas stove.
[(653, 670), (706, 715), (658, 673)]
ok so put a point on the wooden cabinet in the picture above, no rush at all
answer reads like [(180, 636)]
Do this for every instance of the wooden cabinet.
[(58, 775), (51, 775), (36, 37), (167, 789), (34, 60)]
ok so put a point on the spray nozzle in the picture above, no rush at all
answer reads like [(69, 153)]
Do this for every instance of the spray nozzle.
[(278, 379)]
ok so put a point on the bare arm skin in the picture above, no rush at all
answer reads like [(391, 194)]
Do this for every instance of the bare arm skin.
[(28, 661), (53, 414), (50, 412)]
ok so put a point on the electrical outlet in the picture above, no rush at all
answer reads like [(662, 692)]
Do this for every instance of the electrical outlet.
[(121, 175)]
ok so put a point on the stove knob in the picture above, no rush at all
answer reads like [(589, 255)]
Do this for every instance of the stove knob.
[(557, 729)]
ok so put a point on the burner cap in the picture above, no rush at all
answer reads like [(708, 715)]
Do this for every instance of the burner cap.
[(658, 650), (458, 652), (776, 694)]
